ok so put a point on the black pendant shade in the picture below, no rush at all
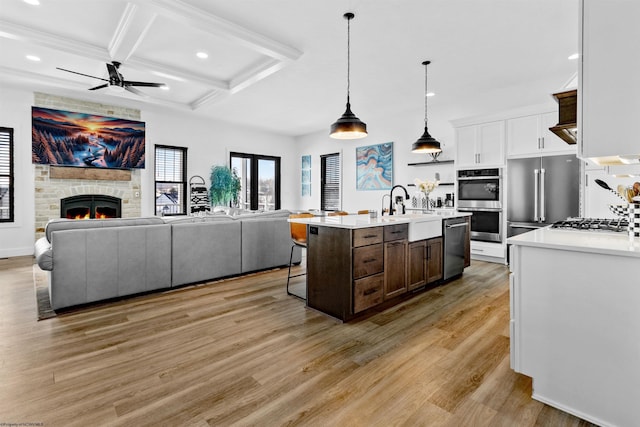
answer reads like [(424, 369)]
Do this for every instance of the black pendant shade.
[(426, 143), (348, 126)]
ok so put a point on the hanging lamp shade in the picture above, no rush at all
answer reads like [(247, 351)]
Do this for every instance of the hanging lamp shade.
[(426, 143), (348, 126)]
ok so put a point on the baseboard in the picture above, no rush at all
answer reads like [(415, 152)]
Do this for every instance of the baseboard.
[(569, 410), (13, 252)]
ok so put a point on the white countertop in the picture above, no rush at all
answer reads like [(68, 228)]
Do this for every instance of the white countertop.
[(364, 221), (580, 241)]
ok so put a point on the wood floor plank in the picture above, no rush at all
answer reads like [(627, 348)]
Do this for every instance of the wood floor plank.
[(239, 351)]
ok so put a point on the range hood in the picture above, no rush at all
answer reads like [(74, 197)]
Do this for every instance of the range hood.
[(567, 127)]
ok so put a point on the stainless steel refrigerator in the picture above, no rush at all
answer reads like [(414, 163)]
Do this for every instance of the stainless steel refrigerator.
[(540, 191)]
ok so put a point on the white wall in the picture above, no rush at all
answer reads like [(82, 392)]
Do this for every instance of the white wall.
[(209, 143), (15, 112), (403, 131)]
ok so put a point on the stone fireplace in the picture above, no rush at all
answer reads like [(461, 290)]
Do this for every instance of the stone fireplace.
[(53, 184)]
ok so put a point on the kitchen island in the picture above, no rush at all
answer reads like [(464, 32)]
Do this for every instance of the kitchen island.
[(575, 321), (355, 262)]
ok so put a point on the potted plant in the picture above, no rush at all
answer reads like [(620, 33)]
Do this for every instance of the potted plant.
[(225, 186)]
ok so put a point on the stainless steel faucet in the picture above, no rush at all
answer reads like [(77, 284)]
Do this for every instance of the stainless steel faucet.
[(406, 196)]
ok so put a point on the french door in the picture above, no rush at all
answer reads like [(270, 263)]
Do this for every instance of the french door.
[(260, 180)]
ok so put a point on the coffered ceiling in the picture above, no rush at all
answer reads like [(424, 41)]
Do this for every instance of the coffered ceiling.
[(280, 65)]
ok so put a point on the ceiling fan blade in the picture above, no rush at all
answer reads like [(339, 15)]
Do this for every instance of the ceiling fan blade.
[(136, 91), (146, 84), (86, 75), (100, 87)]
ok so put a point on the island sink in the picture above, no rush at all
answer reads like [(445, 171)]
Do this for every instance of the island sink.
[(421, 226)]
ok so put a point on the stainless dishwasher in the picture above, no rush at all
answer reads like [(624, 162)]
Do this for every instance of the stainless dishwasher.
[(454, 232)]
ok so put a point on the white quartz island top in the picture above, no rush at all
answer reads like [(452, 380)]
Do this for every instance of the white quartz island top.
[(580, 241), (364, 221)]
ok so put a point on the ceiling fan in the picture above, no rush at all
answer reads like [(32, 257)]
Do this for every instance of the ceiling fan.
[(116, 81)]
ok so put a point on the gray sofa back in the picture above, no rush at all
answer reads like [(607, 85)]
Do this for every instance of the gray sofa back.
[(106, 262), (74, 224)]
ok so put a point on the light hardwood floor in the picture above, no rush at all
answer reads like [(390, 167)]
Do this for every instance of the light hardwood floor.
[(242, 352)]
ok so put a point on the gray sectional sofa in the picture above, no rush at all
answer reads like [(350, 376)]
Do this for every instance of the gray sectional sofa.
[(93, 260)]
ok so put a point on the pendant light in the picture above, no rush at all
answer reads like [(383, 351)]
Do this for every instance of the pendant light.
[(426, 143), (348, 126)]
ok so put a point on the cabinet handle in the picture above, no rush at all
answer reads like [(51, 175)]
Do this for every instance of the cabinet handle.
[(369, 292), (368, 260), (428, 252), (369, 236), (542, 143), (396, 232)]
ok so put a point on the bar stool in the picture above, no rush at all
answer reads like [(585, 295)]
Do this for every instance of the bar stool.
[(299, 239)]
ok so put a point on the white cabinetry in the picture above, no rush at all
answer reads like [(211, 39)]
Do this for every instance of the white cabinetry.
[(609, 89), (480, 145), (530, 135)]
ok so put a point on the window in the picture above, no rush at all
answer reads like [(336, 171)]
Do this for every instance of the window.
[(330, 182), (6, 175), (260, 181), (171, 180)]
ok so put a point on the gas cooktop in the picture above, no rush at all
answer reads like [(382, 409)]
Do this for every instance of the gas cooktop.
[(593, 224)]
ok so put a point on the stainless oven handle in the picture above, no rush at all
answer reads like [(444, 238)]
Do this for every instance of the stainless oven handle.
[(516, 225), (480, 209), (475, 178), (536, 190)]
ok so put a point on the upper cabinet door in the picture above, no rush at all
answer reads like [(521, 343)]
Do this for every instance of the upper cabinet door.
[(609, 87), (466, 137), (530, 135), (480, 145), (491, 144)]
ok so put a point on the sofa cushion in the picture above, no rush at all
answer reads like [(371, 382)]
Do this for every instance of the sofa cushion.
[(80, 224)]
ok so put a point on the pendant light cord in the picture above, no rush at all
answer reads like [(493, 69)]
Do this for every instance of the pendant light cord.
[(425, 93), (348, 57)]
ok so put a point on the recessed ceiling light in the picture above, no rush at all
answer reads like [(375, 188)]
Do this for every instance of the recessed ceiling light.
[(574, 56), (430, 94), (202, 55), (165, 87), (32, 2), (33, 58)]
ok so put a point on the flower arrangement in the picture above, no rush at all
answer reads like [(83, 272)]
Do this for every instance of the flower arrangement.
[(426, 186)]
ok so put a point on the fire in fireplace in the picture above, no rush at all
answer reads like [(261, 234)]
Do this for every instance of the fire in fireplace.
[(90, 206)]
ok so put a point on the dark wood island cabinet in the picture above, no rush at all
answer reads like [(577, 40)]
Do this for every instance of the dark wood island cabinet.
[(351, 270)]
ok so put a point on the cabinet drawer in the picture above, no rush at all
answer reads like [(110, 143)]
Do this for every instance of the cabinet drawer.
[(367, 292), (396, 232), (368, 260), (367, 236)]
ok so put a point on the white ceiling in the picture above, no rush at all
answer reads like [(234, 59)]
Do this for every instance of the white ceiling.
[(280, 65)]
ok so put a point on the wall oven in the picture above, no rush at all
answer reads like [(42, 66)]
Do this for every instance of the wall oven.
[(480, 192)]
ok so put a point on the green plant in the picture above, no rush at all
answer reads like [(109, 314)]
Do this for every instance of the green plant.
[(225, 185)]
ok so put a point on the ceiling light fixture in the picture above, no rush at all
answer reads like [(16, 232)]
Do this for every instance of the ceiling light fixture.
[(426, 143), (348, 126), (32, 2), (202, 55), (33, 58)]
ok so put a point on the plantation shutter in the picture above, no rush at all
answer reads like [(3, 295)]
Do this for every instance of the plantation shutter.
[(330, 182), (6, 175)]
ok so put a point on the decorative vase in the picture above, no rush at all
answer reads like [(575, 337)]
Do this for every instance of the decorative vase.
[(425, 202)]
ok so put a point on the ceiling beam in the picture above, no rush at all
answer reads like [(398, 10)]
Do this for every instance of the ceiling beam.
[(132, 28)]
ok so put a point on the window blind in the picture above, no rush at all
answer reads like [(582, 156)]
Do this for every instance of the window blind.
[(6, 175), (330, 182)]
